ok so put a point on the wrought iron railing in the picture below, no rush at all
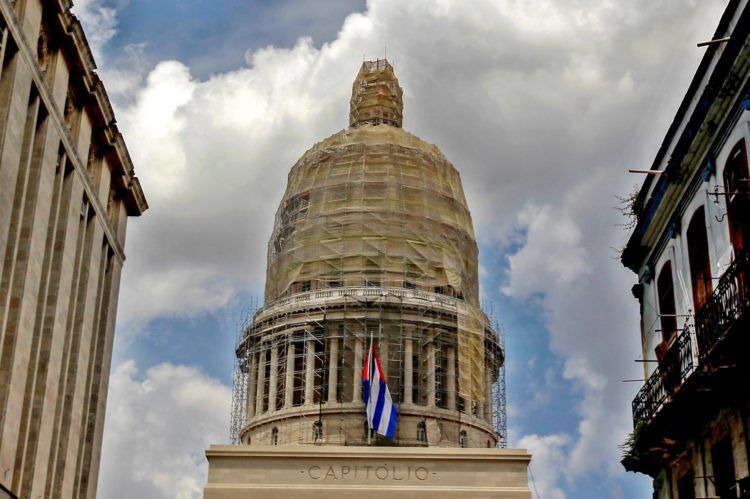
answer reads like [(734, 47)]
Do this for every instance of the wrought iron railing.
[(678, 363), (727, 303)]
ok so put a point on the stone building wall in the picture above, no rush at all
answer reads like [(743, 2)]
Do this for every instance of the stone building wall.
[(67, 187)]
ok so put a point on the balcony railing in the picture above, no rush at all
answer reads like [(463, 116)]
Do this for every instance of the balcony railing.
[(727, 303), (678, 363)]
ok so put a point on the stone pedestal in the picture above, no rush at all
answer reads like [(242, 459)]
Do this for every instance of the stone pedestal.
[(258, 471)]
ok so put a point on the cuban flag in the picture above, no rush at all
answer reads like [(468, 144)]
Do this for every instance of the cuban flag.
[(381, 413)]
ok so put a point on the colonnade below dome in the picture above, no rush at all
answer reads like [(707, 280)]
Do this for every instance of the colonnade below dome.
[(304, 357)]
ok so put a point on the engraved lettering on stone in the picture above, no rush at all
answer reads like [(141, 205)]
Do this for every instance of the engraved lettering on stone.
[(383, 472), (310, 472)]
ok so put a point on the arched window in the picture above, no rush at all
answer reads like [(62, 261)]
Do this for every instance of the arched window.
[(700, 263), (275, 436), (421, 432), (665, 291), (737, 186)]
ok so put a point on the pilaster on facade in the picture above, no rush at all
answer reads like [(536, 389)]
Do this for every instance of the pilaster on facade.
[(67, 187)]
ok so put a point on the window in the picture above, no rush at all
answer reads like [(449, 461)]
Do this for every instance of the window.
[(304, 286), (409, 285), (462, 440), (737, 186), (334, 284), (665, 291), (700, 263), (421, 432), (320, 367), (416, 379), (298, 388), (275, 436), (265, 358), (441, 395)]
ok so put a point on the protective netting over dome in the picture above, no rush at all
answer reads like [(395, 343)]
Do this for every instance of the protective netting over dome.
[(374, 205)]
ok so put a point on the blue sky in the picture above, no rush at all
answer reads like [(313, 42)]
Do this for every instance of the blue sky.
[(542, 106)]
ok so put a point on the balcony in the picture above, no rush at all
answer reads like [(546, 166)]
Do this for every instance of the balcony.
[(676, 366), (714, 324), (728, 303)]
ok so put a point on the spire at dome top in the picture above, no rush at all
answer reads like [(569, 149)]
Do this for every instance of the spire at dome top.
[(376, 96)]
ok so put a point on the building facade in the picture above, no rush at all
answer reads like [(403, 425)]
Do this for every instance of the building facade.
[(372, 242), (690, 250), (67, 187)]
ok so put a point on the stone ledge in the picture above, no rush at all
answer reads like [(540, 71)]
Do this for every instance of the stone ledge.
[(327, 471)]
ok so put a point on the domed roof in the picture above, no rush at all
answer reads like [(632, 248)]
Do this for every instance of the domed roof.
[(373, 205)]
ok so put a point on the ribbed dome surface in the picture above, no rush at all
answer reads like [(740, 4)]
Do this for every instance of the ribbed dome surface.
[(373, 205)]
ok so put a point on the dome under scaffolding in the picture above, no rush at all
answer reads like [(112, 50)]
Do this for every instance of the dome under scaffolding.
[(372, 239)]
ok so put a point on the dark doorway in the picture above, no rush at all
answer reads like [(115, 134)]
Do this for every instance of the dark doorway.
[(723, 466)]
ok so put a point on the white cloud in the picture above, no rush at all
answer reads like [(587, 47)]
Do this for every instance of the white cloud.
[(548, 463), (551, 255), (158, 425), (99, 22), (541, 105)]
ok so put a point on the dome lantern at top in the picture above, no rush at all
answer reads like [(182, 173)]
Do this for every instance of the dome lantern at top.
[(376, 96)]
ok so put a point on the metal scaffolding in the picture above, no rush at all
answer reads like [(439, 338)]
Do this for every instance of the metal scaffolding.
[(416, 335)]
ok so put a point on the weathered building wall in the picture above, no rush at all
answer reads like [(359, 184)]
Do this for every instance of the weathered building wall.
[(690, 249)]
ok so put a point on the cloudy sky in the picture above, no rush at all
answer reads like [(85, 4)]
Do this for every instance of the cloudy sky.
[(542, 105)]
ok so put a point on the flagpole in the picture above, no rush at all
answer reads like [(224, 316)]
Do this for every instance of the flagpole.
[(369, 370)]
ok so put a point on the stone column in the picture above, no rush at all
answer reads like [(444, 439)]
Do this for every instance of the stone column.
[(309, 372), (450, 381), (261, 381), (289, 384), (431, 374), (408, 371), (333, 363), (358, 364), (252, 375), (272, 384)]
